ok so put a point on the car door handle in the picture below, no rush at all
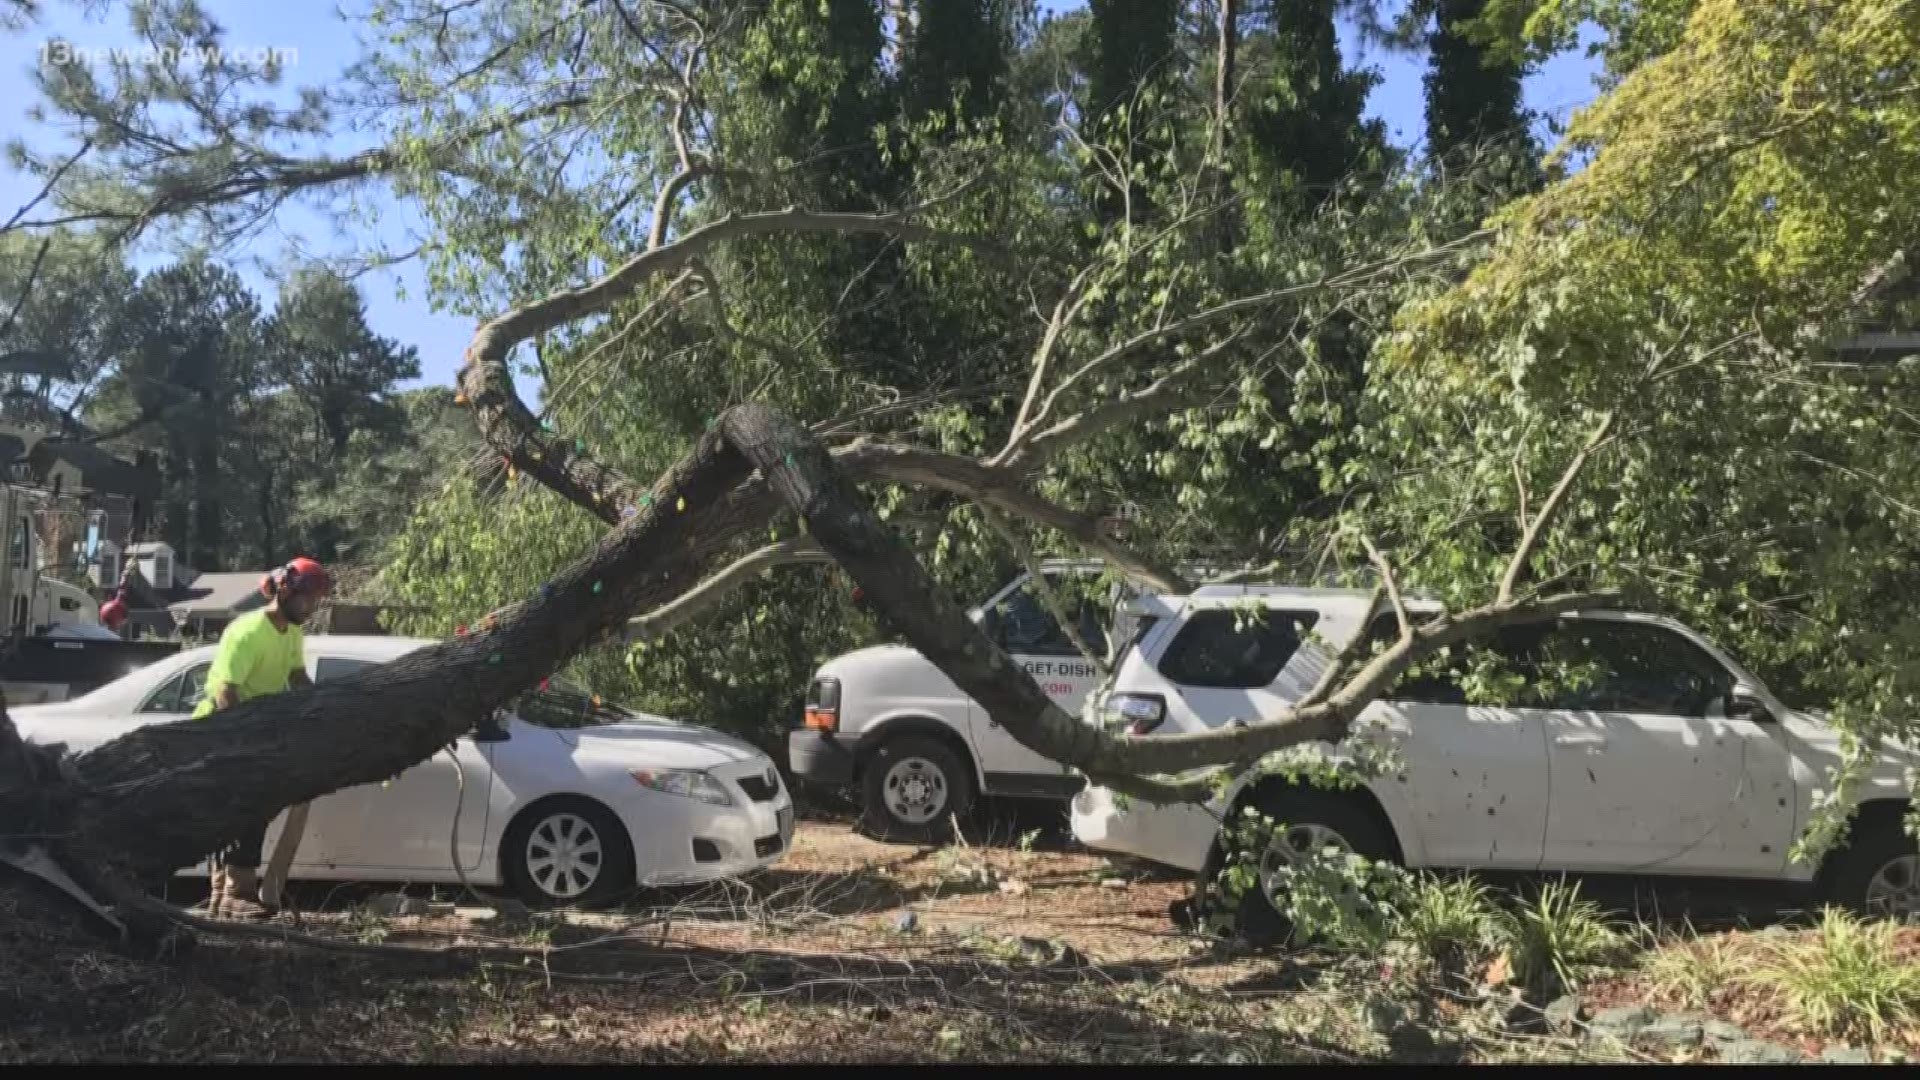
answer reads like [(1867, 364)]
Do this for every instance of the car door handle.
[(1595, 741)]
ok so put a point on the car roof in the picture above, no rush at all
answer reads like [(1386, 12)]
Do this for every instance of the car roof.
[(351, 646)]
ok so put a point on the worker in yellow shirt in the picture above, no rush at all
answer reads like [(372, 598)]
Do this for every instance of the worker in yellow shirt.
[(262, 652)]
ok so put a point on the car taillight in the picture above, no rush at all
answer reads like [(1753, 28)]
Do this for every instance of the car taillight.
[(823, 705), (1137, 714)]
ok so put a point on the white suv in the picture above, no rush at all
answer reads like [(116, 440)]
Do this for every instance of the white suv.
[(886, 720), (1673, 760)]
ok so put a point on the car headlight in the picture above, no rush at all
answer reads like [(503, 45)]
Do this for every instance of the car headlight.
[(687, 783)]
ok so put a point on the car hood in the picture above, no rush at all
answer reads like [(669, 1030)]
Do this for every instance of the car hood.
[(889, 671), (662, 744), (1815, 728)]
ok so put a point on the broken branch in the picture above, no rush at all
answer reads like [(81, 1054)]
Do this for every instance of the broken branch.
[(1549, 509)]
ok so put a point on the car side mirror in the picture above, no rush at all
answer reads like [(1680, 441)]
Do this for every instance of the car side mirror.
[(1743, 704), (492, 728)]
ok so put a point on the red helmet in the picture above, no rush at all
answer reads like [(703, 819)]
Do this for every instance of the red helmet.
[(113, 613), (302, 575)]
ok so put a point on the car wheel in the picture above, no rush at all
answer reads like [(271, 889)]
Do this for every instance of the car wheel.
[(1309, 821), (1878, 873), (566, 851), (911, 788)]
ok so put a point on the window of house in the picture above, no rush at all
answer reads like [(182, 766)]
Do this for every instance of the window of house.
[(22, 548)]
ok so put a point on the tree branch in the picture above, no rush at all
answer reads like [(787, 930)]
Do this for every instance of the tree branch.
[(1549, 509), (1049, 596), (1004, 490), (1336, 668), (1164, 395), (46, 189), (487, 382), (274, 173), (1392, 588), (1064, 312), (26, 287), (1350, 278), (662, 620)]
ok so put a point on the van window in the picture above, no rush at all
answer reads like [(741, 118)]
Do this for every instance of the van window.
[(1233, 650), (1027, 628)]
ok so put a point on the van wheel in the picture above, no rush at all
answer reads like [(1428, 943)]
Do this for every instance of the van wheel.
[(1877, 875), (911, 788), (1308, 822)]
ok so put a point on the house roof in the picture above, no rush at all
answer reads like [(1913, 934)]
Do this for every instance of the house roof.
[(218, 594), (99, 470)]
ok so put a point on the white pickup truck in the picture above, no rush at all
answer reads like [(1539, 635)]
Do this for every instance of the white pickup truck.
[(886, 720)]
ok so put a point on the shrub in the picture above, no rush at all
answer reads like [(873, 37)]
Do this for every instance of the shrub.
[(1846, 979), (1688, 969), (1448, 921), (1556, 939)]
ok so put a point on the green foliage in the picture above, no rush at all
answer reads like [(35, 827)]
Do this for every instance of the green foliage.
[(275, 435), (1738, 197), (1473, 97), (1301, 114), (1633, 31), (1688, 968), (1556, 939), (1449, 920), (1849, 978)]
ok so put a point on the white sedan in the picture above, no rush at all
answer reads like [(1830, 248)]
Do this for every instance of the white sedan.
[(563, 801)]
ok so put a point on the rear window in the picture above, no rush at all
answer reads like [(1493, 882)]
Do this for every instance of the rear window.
[(1235, 650)]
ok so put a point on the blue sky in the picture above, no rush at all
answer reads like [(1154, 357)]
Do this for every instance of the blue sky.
[(397, 303)]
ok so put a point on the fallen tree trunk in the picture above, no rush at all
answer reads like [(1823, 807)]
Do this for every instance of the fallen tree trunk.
[(165, 796)]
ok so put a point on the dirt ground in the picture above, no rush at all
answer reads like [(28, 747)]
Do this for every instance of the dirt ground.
[(1008, 945)]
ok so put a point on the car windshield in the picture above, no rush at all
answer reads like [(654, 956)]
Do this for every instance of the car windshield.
[(563, 704)]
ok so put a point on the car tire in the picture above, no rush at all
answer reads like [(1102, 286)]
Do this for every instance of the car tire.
[(911, 788), (1879, 859), (1308, 815), (566, 851)]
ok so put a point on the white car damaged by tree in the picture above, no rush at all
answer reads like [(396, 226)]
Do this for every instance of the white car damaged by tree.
[(1600, 742)]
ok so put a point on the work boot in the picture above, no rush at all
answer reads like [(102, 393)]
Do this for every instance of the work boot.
[(242, 899)]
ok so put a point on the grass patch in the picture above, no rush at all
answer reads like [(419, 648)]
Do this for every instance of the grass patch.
[(1449, 921), (1687, 969), (1848, 979), (1556, 940)]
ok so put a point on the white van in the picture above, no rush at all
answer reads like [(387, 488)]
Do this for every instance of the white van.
[(1671, 759), (919, 750)]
